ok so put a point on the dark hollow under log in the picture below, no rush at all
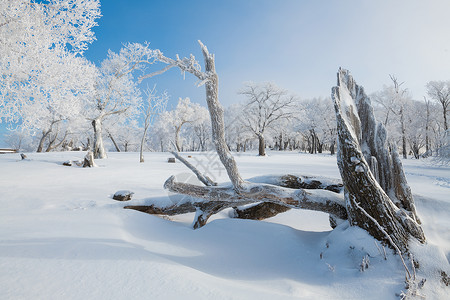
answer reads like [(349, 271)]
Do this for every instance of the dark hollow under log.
[(260, 211)]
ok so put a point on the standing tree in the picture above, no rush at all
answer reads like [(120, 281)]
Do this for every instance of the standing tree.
[(53, 108), (201, 134), (394, 99), (116, 91), (440, 91), (318, 124), (41, 44), (237, 135), (427, 126), (151, 109), (266, 104), (186, 112)]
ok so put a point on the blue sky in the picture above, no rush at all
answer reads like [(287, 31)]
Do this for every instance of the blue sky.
[(297, 44)]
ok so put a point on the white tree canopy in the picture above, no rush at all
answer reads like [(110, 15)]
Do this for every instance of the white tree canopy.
[(185, 112), (40, 42)]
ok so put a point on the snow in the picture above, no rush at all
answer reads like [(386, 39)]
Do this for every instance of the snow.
[(63, 237), (354, 160)]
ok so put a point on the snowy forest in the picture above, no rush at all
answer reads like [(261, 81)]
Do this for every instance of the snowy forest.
[(54, 99), (346, 160)]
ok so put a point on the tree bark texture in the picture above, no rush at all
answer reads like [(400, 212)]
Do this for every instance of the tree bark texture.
[(40, 147), (363, 156), (262, 145), (217, 119)]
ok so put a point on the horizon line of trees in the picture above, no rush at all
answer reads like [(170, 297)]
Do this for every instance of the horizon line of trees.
[(56, 100), (417, 127)]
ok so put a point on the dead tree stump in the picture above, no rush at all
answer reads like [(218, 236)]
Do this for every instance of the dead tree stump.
[(383, 207)]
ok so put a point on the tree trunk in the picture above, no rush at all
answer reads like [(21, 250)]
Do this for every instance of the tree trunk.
[(332, 148), (141, 149), (282, 147), (177, 139), (402, 121), (52, 144), (415, 148), (262, 145), (444, 109), (368, 204), (319, 146), (427, 128), (99, 149), (42, 141), (217, 120), (113, 141)]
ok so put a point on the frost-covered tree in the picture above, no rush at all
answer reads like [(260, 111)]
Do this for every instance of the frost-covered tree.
[(202, 134), (40, 44), (151, 108), (416, 131), (443, 153), (122, 132), (440, 91), (185, 113), (395, 100), (159, 139), (266, 104), (20, 140), (116, 91), (50, 110), (237, 134), (318, 125)]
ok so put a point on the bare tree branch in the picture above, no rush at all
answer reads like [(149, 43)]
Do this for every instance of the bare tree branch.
[(203, 178)]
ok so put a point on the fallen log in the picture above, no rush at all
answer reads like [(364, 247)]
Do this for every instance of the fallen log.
[(319, 200)]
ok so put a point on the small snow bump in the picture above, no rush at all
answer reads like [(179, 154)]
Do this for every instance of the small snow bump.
[(359, 169), (354, 160)]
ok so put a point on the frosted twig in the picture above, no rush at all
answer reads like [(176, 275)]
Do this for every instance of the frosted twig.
[(379, 250), (385, 233), (155, 73)]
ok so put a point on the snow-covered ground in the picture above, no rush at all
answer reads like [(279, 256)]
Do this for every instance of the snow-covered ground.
[(63, 237)]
